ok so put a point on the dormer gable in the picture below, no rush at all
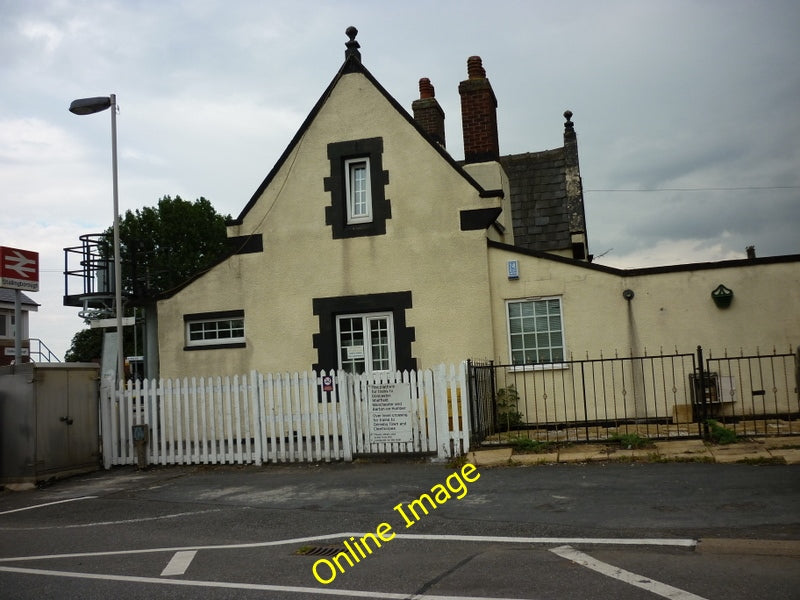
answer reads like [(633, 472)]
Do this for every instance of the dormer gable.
[(341, 150)]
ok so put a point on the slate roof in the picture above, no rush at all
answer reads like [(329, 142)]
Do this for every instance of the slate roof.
[(539, 206), (7, 297)]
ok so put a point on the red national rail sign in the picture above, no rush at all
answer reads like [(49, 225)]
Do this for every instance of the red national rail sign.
[(19, 269)]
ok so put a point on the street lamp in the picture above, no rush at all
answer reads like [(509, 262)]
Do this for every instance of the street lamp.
[(88, 106)]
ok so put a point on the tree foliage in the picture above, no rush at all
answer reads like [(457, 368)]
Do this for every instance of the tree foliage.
[(86, 346), (162, 246)]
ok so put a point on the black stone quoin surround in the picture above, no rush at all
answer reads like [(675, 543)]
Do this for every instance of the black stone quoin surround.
[(328, 308), (336, 213)]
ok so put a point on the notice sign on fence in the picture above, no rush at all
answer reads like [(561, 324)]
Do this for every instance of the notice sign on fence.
[(390, 416)]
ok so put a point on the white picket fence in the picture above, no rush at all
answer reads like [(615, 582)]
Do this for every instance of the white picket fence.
[(299, 417)]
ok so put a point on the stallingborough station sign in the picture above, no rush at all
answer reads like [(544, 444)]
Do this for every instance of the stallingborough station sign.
[(19, 269)]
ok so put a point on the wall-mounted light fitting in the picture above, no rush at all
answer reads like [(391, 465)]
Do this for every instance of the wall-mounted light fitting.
[(628, 294)]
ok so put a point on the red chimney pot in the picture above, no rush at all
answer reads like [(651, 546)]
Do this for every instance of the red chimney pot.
[(475, 68), (426, 89)]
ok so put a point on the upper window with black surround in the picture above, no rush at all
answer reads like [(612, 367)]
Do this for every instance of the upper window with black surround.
[(356, 183)]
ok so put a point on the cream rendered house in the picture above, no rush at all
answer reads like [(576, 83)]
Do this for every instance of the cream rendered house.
[(363, 249), (369, 248)]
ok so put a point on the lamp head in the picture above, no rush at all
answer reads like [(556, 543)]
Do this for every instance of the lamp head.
[(88, 106)]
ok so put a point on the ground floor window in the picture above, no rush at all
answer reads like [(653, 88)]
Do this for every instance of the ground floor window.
[(365, 342), (535, 331), (7, 325), (217, 329)]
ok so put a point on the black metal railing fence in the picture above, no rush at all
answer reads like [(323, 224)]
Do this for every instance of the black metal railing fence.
[(755, 394), (655, 397)]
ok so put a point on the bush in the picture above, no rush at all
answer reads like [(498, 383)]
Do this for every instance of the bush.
[(522, 444), (508, 417), (720, 434), (630, 440)]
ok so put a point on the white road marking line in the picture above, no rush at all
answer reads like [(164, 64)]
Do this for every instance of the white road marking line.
[(179, 563), (314, 591), (684, 543), (8, 512), (178, 549), (102, 523), (645, 583), (409, 536)]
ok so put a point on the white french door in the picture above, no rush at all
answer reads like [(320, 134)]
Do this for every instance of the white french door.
[(365, 342)]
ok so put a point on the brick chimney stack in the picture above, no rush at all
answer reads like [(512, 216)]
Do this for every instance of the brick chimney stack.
[(427, 112), (478, 114)]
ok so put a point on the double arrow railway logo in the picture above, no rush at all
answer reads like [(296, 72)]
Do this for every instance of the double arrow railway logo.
[(19, 269), (24, 266)]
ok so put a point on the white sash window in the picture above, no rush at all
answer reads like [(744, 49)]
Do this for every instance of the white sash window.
[(359, 197)]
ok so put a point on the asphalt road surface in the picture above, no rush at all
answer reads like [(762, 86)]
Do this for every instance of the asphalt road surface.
[(627, 531)]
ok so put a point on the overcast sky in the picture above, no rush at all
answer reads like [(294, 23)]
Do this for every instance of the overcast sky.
[(686, 112)]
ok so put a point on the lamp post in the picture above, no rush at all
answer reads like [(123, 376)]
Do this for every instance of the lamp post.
[(88, 106)]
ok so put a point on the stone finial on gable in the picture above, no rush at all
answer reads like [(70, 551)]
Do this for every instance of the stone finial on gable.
[(570, 139), (569, 124), (352, 45)]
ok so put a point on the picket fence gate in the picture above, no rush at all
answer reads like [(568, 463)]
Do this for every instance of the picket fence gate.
[(299, 417)]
